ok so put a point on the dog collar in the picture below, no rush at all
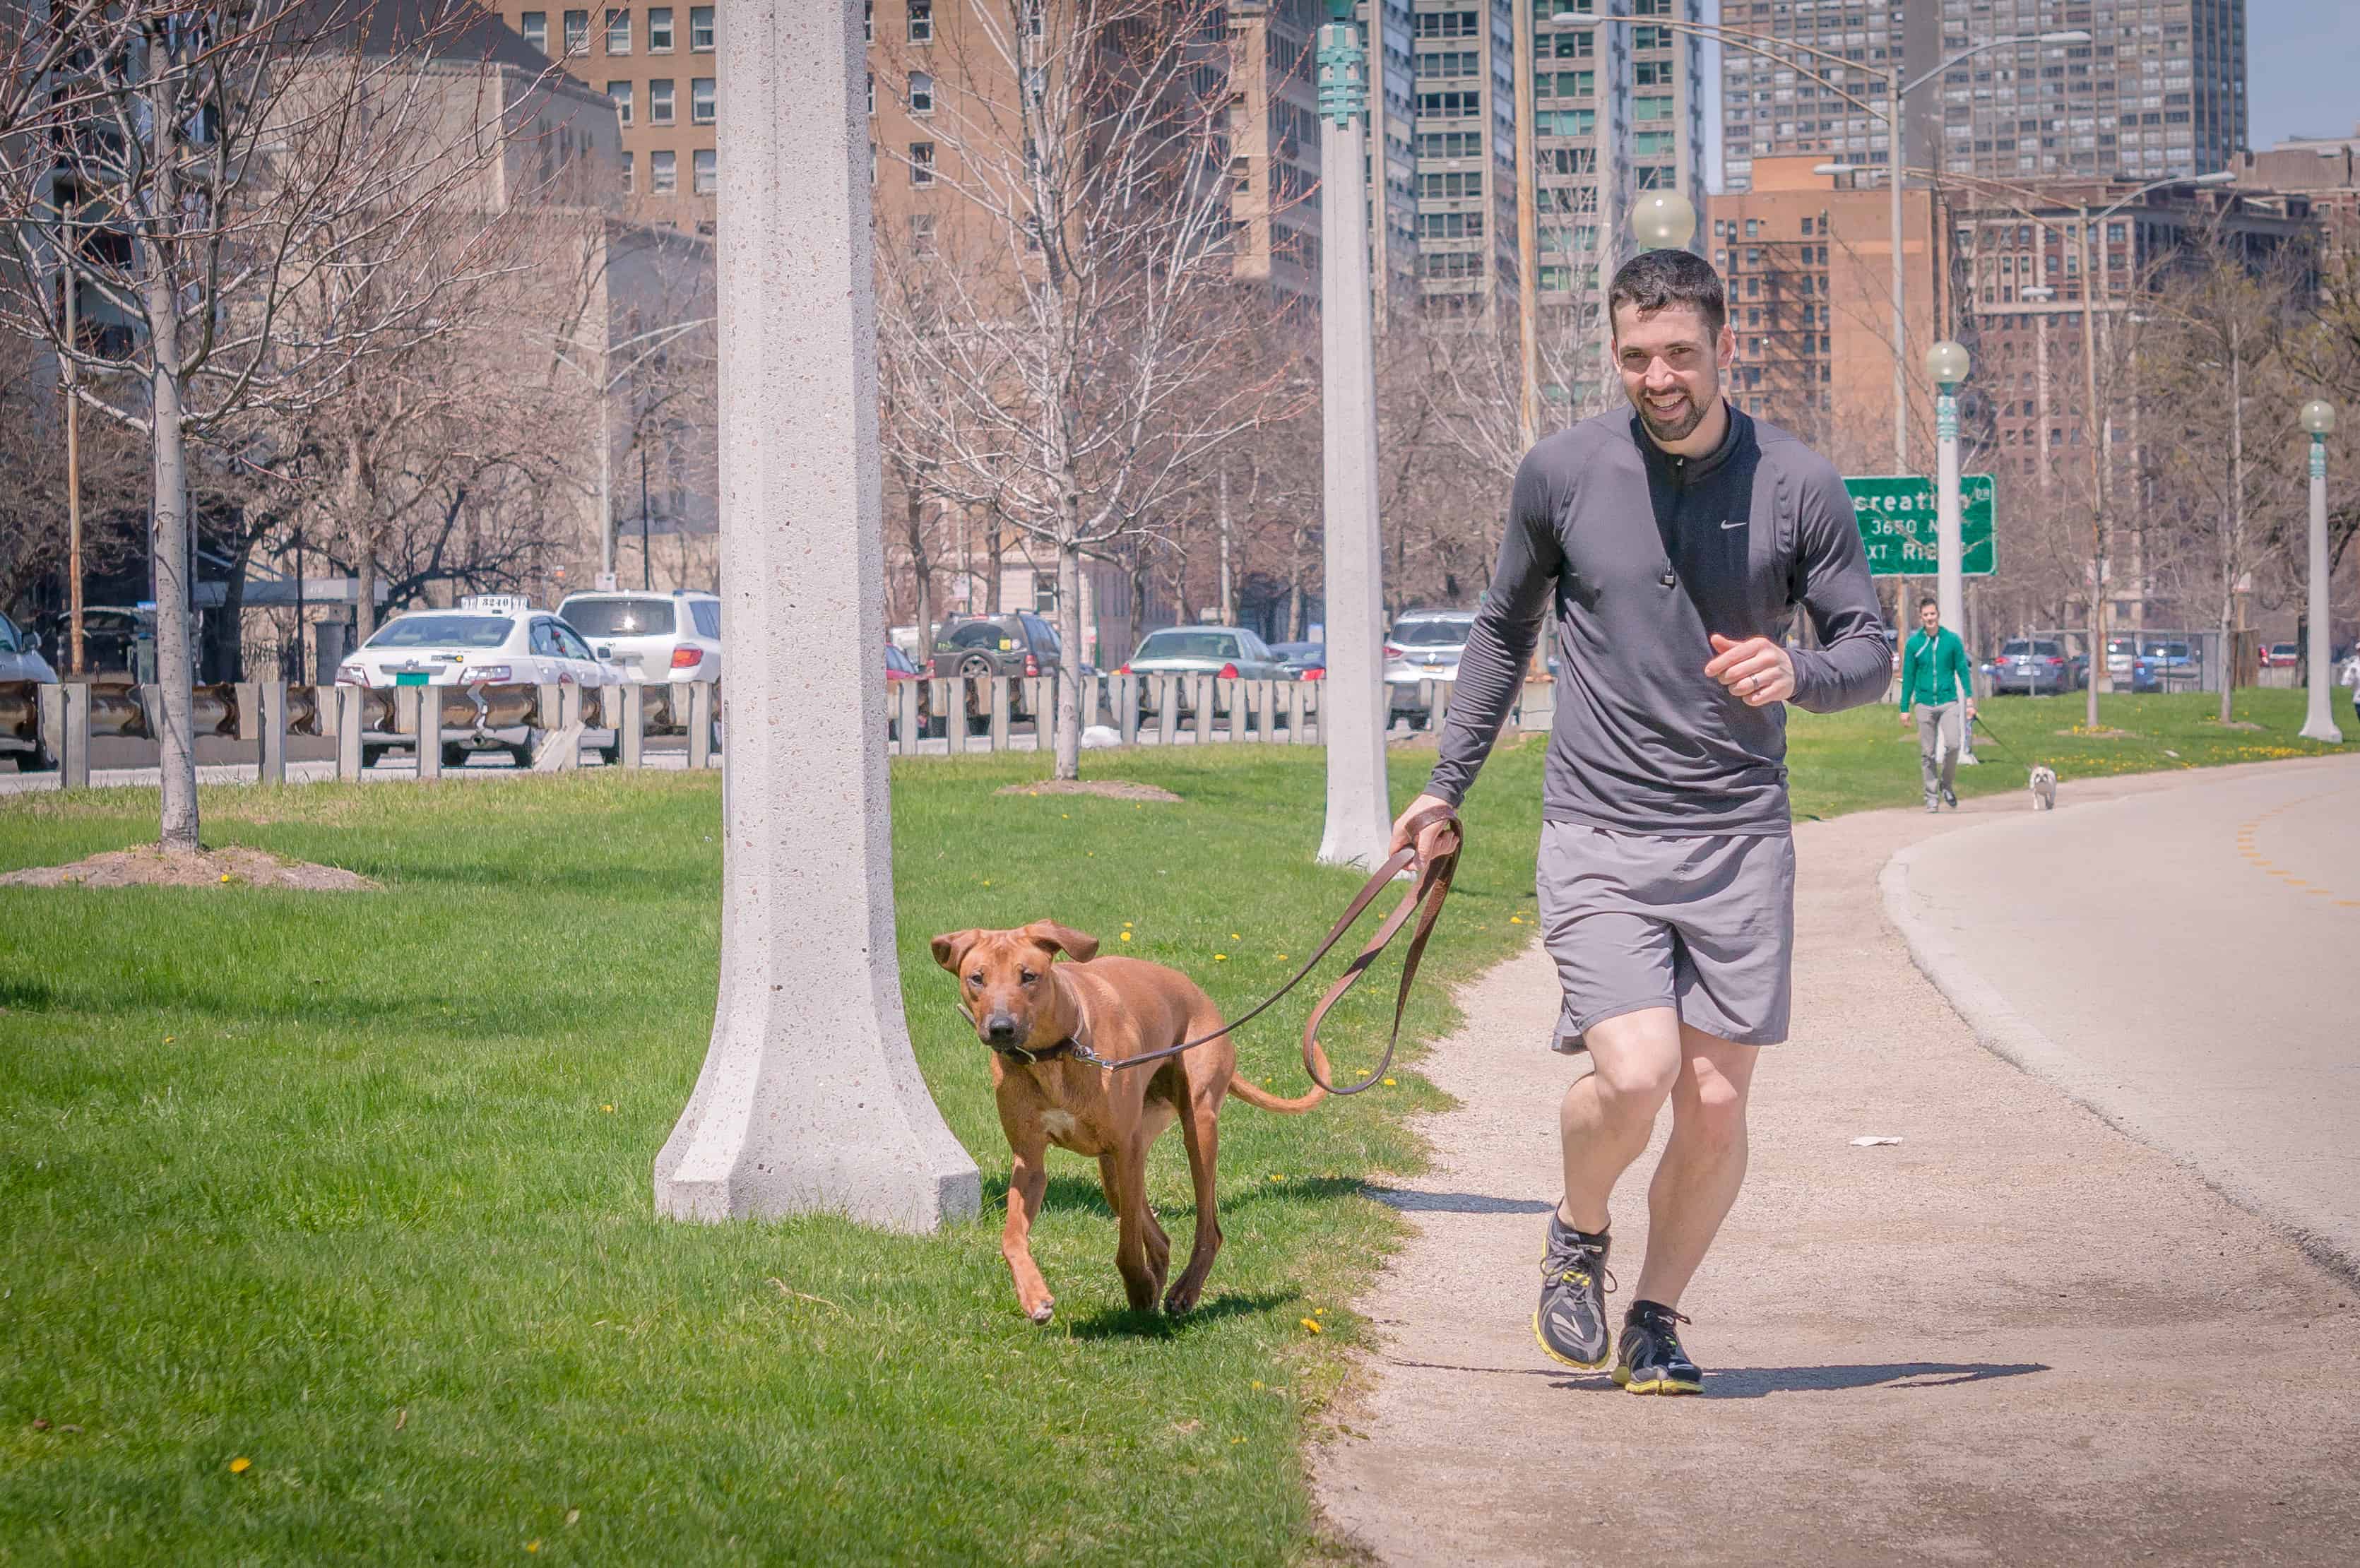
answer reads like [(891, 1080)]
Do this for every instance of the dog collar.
[(1063, 1048)]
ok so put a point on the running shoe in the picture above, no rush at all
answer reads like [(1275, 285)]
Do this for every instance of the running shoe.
[(1652, 1361), (1570, 1321), (1950, 798)]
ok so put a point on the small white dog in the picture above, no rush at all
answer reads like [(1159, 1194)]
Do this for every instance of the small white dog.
[(2044, 788)]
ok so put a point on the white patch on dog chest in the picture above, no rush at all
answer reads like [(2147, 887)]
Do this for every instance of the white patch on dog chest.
[(1057, 1124)]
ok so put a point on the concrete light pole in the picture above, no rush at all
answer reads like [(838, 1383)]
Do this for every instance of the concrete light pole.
[(2319, 719), (1948, 364), (1352, 706), (810, 1098)]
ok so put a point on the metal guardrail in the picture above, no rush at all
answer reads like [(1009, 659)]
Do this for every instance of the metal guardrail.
[(928, 716)]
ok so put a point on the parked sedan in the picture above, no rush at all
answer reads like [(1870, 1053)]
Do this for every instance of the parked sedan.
[(1424, 644), (2032, 666), (2282, 656), (1228, 653), (492, 639), (1303, 660)]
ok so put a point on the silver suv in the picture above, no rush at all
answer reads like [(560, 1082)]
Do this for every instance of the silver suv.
[(651, 639), (1424, 644)]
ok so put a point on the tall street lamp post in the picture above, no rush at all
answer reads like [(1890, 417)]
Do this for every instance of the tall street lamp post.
[(1352, 700), (2319, 719), (810, 1097), (1528, 250), (1947, 364)]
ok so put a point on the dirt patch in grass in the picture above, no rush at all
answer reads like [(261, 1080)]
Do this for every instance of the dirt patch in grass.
[(148, 866), (2232, 724), (2103, 732), (1112, 789)]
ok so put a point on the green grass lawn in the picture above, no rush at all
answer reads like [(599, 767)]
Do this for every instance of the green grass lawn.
[(1866, 757), (355, 1187)]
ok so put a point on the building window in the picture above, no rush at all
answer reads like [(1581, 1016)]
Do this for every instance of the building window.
[(922, 93), (618, 30), (702, 170), (660, 29), (620, 91), (534, 25), (578, 32), (922, 21), (663, 172), (659, 101), (921, 163), (921, 234), (1451, 225), (630, 182), (700, 101), (700, 29)]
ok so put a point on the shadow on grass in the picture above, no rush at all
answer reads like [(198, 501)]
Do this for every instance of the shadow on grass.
[(1077, 1192), (1122, 1323)]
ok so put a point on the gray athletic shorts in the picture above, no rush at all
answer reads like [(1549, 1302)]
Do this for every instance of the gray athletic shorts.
[(1702, 924)]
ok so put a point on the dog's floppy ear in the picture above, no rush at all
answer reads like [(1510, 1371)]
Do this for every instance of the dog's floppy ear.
[(1079, 946), (951, 947)]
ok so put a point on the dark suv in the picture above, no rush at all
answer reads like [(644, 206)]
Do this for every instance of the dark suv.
[(1016, 643)]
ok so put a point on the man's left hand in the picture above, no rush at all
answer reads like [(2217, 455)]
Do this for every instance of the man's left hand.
[(1757, 669)]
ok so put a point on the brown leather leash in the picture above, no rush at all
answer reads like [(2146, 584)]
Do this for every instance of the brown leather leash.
[(1423, 899)]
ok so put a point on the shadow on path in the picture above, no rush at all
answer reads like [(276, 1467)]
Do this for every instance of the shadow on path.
[(1754, 1382), (1757, 1382), (1416, 1203)]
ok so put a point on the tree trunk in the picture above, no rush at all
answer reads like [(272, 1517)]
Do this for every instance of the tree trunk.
[(995, 543), (1070, 663), (175, 737), (2228, 645), (921, 569), (1228, 594)]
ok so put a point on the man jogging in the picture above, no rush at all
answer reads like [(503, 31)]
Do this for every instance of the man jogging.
[(1676, 542), (1934, 675)]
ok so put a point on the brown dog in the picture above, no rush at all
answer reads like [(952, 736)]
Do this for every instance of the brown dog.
[(1032, 1011)]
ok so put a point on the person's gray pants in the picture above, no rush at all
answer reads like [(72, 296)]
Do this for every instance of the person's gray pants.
[(1939, 737)]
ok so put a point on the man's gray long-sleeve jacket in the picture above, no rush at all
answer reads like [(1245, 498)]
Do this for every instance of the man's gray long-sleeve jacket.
[(1646, 554)]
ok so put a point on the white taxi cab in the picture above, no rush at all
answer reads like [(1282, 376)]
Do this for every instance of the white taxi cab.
[(490, 639)]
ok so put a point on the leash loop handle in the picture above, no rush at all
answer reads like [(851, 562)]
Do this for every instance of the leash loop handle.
[(1424, 898)]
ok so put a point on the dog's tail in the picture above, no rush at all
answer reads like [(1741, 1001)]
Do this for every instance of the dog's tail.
[(1253, 1095)]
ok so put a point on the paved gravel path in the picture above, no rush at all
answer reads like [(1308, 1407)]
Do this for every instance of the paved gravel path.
[(2220, 922), (2020, 1336)]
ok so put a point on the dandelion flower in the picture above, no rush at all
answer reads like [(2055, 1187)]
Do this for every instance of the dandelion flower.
[(1388, 1082), (1313, 1324), (1126, 936), (240, 1465), (1220, 958)]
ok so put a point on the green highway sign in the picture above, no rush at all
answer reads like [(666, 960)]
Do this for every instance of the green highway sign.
[(1897, 517)]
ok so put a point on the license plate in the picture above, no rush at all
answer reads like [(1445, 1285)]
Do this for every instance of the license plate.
[(410, 678)]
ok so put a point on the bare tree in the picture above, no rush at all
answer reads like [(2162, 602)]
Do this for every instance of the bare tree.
[(1079, 336), (2218, 399), (189, 171)]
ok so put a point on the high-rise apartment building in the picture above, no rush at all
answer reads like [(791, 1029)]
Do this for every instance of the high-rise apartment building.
[(1462, 104), (1274, 142), (2158, 90), (1618, 103), (1618, 108), (656, 63), (1393, 157)]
